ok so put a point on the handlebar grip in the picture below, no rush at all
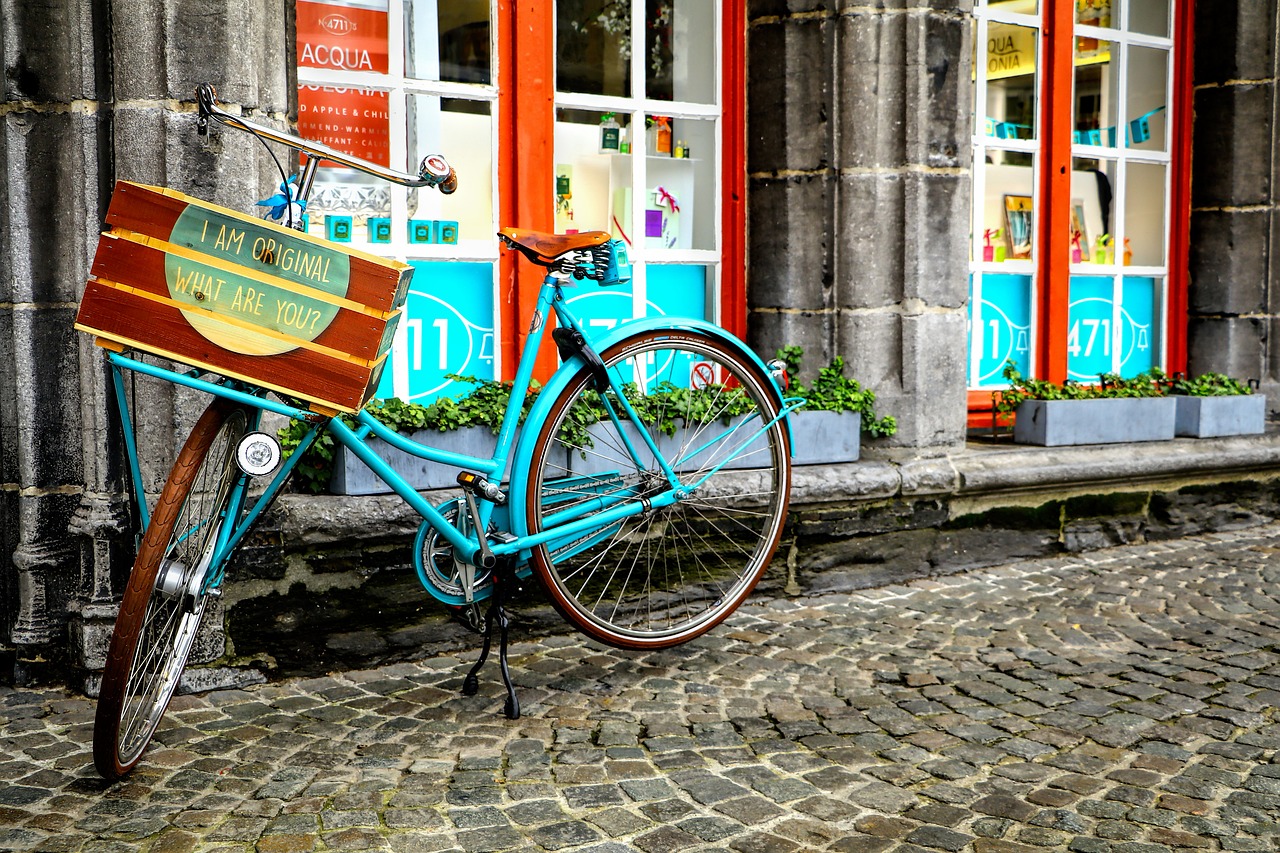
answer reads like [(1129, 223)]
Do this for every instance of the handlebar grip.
[(450, 183)]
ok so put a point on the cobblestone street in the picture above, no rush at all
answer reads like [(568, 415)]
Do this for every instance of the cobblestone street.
[(1121, 700)]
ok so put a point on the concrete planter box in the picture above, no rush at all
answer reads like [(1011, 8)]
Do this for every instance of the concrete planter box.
[(1054, 423), (825, 438), (353, 477), (1206, 417), (818, 438)]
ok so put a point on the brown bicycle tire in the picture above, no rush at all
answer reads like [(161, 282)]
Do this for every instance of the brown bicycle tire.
[(139, 591), (544, 566)]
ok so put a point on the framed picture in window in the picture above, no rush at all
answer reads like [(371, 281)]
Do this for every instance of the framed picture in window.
[(1017, 226), (1079, 234)]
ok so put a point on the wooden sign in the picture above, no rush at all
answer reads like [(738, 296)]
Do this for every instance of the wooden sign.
[(239, 296)]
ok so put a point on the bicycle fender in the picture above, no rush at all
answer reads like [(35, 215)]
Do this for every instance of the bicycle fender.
[(522, 459)]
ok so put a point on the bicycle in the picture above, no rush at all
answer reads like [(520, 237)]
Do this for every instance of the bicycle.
[(650, 545)]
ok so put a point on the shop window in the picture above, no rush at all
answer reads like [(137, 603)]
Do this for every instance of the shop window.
[(635, 144), (1101, 296)]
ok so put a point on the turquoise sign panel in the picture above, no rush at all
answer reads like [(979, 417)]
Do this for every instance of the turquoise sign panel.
[(673, 291), (446, 329), (1137, 329), (1090, 333), (1000, 328), (680, 291), (1098, 336)]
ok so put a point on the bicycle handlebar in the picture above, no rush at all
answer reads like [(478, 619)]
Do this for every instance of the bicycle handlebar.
[(435, 171)]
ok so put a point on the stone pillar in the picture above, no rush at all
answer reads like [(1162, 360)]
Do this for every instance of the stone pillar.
[(93, 92), (859, 190), (52, 140), (1234, 299)]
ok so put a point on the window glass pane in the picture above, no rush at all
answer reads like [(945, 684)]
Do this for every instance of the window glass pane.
[(1024, 7), (680, 50), (1145, 109), (446, 329), (1096, 96), (342, 35), (1150, 17), (462, 131), (999, 327), (346, 205), (593, 46), (1093, 187), (447, 41), (599, 307), (1092, 206), (1091, 328), (1140, 332), (591, 169), (1011, 82), (680, 192), (1008, 213), (1144, 215), (678, 290), (1110, 335), (354, 121), (1095, 13)]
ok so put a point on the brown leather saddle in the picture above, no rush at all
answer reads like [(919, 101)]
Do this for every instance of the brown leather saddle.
[(545, 249)]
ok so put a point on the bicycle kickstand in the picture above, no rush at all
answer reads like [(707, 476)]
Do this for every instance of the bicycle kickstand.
[(497, 613)]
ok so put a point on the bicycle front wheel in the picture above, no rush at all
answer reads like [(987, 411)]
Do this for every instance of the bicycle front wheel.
[(669, 573), (164, 599)]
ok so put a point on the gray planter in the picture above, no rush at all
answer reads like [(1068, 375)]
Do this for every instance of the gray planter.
[(825, 438), (1054, 423), (1206, 417), (353, 477)]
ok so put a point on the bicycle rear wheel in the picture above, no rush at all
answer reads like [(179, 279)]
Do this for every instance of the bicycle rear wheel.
[(164, 599), (669, 574)]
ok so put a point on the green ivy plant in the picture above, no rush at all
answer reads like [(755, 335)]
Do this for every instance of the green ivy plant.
[(832, 391), (484, 406), (1211, 385), (668, 405), (1151, 383)]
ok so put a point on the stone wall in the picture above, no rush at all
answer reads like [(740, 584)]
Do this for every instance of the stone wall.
[(858, 123), (1235, 201), (94, 92)]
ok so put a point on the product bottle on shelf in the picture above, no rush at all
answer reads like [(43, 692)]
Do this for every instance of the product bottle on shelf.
[(664, 136), (609, 133)]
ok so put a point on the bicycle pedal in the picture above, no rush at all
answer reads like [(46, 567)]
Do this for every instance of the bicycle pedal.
[(477, 485)]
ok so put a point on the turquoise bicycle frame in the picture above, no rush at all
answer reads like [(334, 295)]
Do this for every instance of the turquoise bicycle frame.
[(585, 519)]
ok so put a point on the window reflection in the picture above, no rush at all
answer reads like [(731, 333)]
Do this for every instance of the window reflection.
[(593, 46), (448, 41), (1096, 94), (1011, 82), (680, 50), (1150, 16)]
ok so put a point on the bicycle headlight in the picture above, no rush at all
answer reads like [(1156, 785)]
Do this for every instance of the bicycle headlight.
[(257, 454)]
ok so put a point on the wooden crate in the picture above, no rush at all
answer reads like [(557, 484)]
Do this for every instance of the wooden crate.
[(242, 297)]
